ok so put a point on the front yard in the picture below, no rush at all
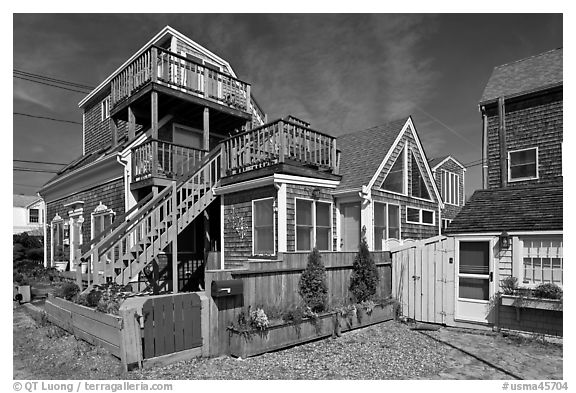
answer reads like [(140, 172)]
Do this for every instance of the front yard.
[(388, 350)]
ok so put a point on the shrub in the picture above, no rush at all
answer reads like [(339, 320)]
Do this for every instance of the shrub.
[(34, 254), (93, 298), (548, 291), (18, 278), (509, 285), (312, 285), (364, 278), (69, 291), (258, 319)]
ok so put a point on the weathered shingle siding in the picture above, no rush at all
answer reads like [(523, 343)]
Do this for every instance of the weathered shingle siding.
[(98, 132), (110, 194), (237, 248), (529, 123)]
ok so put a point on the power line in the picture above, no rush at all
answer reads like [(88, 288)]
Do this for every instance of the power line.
[(46, 118), (40, 162), (51, 79), (34, 170), (445, 126), (50, 84)]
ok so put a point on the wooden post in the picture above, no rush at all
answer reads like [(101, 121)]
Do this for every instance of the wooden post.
[(281, 143), (248, 99), (154, 64), (130, 340), (154, 114), (206, 222), (333, 158), (131, 124), (174, 240), (206, 135)]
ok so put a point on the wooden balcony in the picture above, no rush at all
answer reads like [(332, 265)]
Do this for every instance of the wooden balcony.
[(280, 142), (158, 163), (182, 75)]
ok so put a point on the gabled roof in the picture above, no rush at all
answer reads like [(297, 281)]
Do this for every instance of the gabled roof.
[(361, 152), (523, 76), (436, 162), (24, 200), (511, 209)]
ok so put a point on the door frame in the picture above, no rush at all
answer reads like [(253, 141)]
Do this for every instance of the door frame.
[(341, 223), (491, 240)]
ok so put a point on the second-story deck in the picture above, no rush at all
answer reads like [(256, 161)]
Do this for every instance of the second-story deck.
[(178, 74)]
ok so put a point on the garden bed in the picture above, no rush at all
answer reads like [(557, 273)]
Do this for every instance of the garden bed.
[(531, 302), (248, 343)]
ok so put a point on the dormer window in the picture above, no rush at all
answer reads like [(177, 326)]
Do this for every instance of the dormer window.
[(523, 164)]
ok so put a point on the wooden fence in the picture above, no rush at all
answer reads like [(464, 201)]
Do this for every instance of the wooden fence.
[(423, 279), (150, 330), (274, 285)]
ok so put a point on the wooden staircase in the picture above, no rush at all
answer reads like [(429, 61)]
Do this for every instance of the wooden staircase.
[(136, 242)]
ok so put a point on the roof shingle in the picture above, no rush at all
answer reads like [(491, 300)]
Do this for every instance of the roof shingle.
[(530, 208), (530, 74), (361, 152)]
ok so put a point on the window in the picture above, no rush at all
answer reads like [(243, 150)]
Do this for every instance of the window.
[(418, 184), (445, 223), (542, 261), (450, 185), (106, 108), (394, 180), (102, 218), (386, 223), (263, 224), (313, 225), (523, 164), (60, 240), (419, 216), (34, 215)]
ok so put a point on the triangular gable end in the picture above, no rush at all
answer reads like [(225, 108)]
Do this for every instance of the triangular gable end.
[(409, 127)]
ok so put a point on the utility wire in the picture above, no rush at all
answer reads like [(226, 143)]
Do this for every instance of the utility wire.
[(21, 169), (50, 84), (445, 126), (46, 118), (50, 79), (40, 162)]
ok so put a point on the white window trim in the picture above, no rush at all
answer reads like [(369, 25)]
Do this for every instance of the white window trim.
[(404, 174), (518, 259), (446, 190), (273, 226), (313, 239), (39, 216), (420, 210), (56, 220), (100, 210), (387, 222), (105, 108), (510, 180)]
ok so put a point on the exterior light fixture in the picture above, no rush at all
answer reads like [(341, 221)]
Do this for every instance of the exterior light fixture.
[(504, 240)]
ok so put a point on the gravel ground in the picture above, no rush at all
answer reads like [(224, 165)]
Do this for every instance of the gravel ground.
[(385, 351)]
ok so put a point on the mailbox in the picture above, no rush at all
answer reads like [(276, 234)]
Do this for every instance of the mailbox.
[(227, 288)]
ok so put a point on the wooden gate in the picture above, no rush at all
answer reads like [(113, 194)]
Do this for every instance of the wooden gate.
[(171, 324), (423, 279)]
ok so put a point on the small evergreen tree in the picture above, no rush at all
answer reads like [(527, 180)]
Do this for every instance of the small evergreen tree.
[(364, 278), (312, 286)]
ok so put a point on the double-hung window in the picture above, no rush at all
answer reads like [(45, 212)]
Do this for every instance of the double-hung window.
[(34, 216), (313, 225), (263, 226), (386, 223), (102, 218), (523, 164), (450, 186)]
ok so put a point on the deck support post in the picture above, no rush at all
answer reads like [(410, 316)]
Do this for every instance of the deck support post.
[(174, 239), (206, 134), (206, 221), (131, 124)]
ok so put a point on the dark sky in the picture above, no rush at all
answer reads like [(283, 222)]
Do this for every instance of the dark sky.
[(340, 72)]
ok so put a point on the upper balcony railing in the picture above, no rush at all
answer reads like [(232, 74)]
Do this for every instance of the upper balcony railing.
[(279, 142), (168, 68), (159, 159)]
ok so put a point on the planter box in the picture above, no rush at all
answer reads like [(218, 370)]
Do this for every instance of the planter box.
[(280, 336), (531, 302), (362, 319), (253, 343)]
